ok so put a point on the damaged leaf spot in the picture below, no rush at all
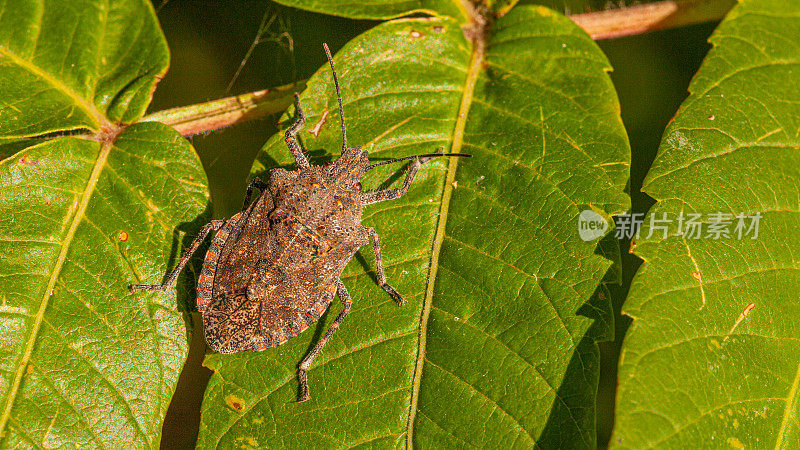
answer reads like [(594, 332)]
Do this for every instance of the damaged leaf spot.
[(28, 162), (318, 126), (739, 320), (234, 402)]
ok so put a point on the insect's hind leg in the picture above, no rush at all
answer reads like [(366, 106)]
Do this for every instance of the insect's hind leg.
[(344, 296), (213, 225), (291, 135), (376, 249)]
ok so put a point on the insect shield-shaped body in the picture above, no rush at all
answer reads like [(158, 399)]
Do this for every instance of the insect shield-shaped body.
[(273, 269)]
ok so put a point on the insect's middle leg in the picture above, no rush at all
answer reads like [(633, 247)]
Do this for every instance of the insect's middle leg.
[(376, 249), (213, 225), (344, 296), (391, 194), (291, 135)]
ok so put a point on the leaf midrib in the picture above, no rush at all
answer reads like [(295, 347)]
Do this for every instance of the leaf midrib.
[(86, 195), (475, 67), (99, 118), (788, 412)]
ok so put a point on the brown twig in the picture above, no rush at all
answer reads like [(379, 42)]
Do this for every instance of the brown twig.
[(640, 19), (216, 114)]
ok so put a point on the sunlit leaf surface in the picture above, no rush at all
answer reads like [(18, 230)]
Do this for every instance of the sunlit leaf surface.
[(84, 362), (496, 344), (711, 359)]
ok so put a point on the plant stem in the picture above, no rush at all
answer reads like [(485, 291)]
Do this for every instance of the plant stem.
[(640, 19), (216, 114)]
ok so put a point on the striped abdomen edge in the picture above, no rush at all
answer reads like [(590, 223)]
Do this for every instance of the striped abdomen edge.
[(205, 283), (276, 338)]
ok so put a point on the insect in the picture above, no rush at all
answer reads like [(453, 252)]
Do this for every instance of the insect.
[(274, 268)]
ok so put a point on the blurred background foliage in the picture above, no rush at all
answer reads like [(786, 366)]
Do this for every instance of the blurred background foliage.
[(209, 42)]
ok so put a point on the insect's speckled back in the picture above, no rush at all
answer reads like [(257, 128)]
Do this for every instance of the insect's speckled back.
[(274, 268), (294, 244), (249, 241)]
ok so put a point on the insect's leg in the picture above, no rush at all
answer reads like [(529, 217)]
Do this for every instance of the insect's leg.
[(344, 296), (255, 183), (391, 194), (376, 248), (291, 135), (213, 225)]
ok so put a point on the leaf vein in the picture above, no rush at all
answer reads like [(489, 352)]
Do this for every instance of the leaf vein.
[(532, 440), (57, 266)]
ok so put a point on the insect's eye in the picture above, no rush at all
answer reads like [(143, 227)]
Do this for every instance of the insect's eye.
[(357, 186)]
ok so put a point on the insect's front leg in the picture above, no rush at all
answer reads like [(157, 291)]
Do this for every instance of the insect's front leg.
[(376, 249), (344, 296), (213, 225), (391, 194), (291, 135)]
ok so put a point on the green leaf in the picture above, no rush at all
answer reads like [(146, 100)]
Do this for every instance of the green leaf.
[(496, 343), (74, 64), (382, 9), (83, 361), (699, 368)]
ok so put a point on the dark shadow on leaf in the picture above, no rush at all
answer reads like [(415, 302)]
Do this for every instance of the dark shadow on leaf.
[(365, 265), (572, 419), (10, 147), (267, 161), (319, 156), (392, 179), (187, 280), (184, 407), (319, 329)]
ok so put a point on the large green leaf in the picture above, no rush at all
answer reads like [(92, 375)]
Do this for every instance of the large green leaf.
[(84, 362), (689, 375), (495, 345), (383, 9), (76, 64)]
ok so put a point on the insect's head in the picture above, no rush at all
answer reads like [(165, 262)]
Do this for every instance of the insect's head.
[(345, 173)]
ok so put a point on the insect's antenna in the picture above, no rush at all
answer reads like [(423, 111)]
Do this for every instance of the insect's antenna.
[(429, 155), (338, 96)]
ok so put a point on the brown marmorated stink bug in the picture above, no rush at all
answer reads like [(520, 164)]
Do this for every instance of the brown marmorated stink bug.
[(273, 269)]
